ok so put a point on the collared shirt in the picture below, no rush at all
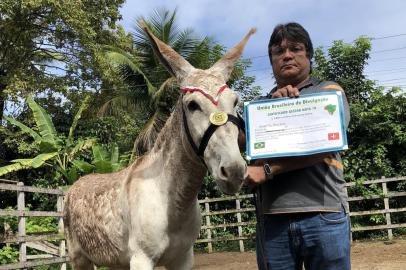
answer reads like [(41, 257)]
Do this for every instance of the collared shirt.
[(317, 188)]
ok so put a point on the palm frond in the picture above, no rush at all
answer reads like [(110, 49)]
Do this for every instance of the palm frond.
[(167, 86), (146, 139), (185, 42), (120, 58), (116, 105)]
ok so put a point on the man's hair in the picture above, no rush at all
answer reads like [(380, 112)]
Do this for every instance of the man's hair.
[(293, 32)]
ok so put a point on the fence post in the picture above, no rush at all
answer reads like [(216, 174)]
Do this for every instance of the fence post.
[(208, 230), (349, 213), (21, 223), (238, 207), (387, 213), (61, 229)]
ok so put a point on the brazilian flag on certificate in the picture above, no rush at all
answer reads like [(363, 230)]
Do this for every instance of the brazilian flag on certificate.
[(259, 145)]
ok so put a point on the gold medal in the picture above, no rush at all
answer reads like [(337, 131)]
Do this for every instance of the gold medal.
[(218, 118)]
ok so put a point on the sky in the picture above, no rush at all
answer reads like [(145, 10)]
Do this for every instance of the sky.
[(325, 20)]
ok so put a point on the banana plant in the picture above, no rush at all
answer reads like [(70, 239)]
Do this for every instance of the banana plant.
[(54, 151), (103, 160)]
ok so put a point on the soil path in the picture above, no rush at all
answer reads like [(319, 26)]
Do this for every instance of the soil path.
[(364, 256)]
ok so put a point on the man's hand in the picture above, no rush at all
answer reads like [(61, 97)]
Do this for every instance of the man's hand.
[(287, 91), (256, 175)]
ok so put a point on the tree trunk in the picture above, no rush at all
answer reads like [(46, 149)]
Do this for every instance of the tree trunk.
[(2, 87), (2, 96)]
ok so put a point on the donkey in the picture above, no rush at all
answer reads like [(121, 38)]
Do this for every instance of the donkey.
[(147, 214)]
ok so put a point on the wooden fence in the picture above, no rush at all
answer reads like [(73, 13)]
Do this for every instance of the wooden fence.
[(385, 195), (57, 253), (50, 253)]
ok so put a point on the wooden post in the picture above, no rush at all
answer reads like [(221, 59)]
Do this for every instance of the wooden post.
[(238, 207), (387, 213), (21, 223), (62, 249), (349, 213), (208, 230)]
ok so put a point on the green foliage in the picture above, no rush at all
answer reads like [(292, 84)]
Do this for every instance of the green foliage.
[(54, 151), (41, 224), (345, 65), (55, 44), (377, 133), (8, 254), (103, 161)]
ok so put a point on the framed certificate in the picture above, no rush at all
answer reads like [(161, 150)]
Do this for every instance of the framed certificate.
[(309, 124)]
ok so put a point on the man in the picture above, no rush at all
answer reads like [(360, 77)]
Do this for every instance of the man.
[(303, 217)]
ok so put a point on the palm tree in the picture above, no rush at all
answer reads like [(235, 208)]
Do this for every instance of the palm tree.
[(151, 90)]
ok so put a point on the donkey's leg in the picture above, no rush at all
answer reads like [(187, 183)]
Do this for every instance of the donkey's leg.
[(81, 262), (182, 262), (140, 261)]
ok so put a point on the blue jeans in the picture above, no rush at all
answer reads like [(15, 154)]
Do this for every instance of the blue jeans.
[(319, 241)]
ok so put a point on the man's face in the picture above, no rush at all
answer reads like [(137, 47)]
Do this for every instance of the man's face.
[(290, 62)]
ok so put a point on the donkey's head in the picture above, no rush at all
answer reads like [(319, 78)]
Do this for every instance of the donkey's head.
[(210, 120)]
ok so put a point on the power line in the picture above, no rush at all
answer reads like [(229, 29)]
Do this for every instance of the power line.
[(385, 70), (385, 59), (385, 37), (373, 52), (388, 50), (390, 80)]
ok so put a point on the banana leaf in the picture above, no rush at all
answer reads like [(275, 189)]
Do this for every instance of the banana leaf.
[(83, 166), (114, 154), (83, 107), (24, 128), (99, 153), (43, 121), (39, 160), (81, 145), (11, 168), (103, 166)]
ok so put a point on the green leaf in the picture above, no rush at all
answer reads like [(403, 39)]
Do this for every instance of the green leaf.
[(24, 128), (114, 153), (103, 166), (116, 167), (99, 153), (72, 175), (48, 146), (39, 160), (80, 146), (43, 121), (26, 162), (83, 166), (11, 168), (119, 57), (83, 107)]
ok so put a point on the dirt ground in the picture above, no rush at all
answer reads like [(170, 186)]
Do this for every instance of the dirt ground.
[(365, 256)]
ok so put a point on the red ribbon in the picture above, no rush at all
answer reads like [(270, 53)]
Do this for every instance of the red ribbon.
[(214, 100)]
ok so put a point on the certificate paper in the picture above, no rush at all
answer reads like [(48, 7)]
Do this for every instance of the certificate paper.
[(310, 124)]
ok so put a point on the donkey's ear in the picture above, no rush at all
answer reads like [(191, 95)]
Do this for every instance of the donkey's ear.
[(173, 62), (226, 64)]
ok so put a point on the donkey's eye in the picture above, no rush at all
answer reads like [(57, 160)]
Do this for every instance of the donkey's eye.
[(193, 106)]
